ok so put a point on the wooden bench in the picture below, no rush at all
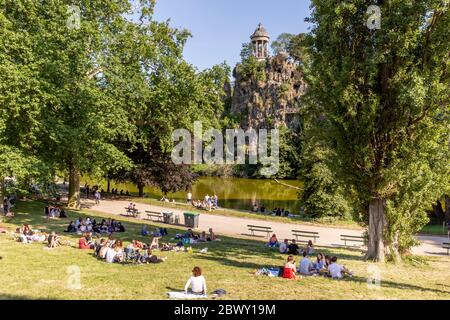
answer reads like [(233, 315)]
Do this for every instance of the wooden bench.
[(153, 214), (266, 230), (132, 212), (305, 234), (347, 238), (446, 245)]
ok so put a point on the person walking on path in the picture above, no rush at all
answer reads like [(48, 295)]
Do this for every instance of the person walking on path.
[(97, 197)]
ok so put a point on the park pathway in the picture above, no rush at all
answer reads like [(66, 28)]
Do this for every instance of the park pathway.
[(237, 227)]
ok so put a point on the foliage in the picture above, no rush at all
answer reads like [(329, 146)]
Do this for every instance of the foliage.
[(383, 97), (250, 68)]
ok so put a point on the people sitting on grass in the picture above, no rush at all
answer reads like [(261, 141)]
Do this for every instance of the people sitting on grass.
[(337, 271), (319, 265), (54, 240), (309, 249), (306, 267), (85, 243), (211, 236), (289, 268), (71, 227), (273, 242), (149, 257), (197, 282), (293, 248), (284, 246)]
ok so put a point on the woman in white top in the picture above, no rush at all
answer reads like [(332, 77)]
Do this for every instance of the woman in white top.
[(197, 281)]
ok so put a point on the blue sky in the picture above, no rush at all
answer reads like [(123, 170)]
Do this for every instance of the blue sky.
[(219, 27)]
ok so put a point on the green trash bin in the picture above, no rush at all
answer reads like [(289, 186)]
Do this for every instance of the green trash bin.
[(191, 219)]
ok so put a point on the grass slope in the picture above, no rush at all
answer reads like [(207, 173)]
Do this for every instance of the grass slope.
[(28, 271)]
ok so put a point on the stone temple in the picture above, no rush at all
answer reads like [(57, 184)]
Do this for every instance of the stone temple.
[(277, 99)]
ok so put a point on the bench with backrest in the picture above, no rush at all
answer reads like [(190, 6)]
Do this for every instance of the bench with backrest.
[(262, 229), (358, 239), (132, 212), (309, 235), (153, 214), (446, 245)]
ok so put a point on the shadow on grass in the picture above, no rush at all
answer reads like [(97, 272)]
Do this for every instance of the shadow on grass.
[(228, 252), (401, 286)]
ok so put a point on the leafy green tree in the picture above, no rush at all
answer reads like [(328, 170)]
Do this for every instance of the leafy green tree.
[(384, 100), (282, 43), (250, 67)]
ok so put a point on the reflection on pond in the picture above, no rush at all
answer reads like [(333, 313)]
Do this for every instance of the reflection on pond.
[(233, 193)]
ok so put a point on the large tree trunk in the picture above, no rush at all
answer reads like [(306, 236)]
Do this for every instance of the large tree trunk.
[(377, 224), (447, 208), (3, 187), (141, 190), (74, 187), (439, 212), (108, 188)]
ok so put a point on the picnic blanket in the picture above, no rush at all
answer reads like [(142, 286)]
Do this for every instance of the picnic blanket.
[(271, 272), (185, 296)]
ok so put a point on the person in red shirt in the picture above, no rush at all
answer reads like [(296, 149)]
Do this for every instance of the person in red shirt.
[(84, 244), (289, 268)]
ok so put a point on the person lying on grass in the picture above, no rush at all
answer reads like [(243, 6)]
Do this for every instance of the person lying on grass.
[(336, 271), (149, 257), (197, 281)]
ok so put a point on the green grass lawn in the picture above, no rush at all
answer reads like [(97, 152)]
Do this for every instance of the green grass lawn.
[(436, 230), (28, 271)]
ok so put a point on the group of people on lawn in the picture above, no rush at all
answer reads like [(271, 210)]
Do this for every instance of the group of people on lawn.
[(88, 225), (113, 251), (208, 203), (324, 265), (26, 234)]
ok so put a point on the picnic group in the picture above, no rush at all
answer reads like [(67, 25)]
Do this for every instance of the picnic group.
[(320, 265), (208, 203)]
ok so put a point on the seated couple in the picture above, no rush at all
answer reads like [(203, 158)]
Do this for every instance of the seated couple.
[(26, 235), (86, 242), (293, 248), (191, 237), (159, 232), (324, 266)]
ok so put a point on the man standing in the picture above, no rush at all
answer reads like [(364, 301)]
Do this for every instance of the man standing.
[(189, 197), (97, 197)]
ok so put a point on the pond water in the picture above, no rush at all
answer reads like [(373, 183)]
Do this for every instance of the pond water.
[(233, 193)]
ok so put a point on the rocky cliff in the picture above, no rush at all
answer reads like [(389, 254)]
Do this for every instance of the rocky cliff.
[(271, 101)]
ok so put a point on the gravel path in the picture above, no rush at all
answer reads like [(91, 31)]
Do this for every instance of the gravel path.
[(237, 227)]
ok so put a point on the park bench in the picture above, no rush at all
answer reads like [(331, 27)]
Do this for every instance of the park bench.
[(347, 238), (153, 214), (266, 230), (132, 212), (446, 245), (305, 234)]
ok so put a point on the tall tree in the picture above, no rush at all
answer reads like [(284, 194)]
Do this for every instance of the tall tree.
[(384, 98)]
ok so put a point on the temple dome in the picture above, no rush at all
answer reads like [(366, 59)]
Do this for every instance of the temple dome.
[(260, 32)]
